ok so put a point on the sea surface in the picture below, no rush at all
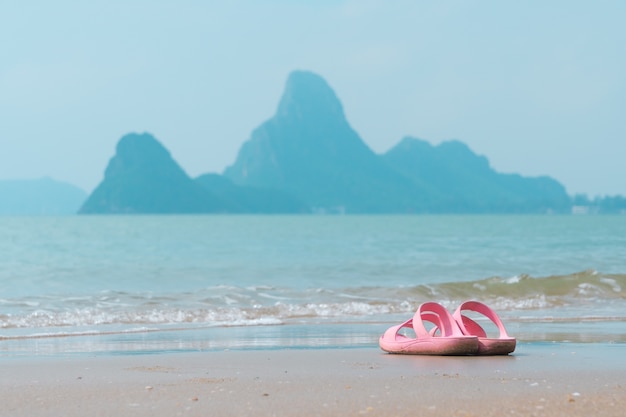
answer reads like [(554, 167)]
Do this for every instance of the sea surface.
[(143, 284)]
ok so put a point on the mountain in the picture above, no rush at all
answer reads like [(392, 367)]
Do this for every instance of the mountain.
[(470, 184), (309, 150), (247, 199), (307, 158), (142, 177), (43, 196)]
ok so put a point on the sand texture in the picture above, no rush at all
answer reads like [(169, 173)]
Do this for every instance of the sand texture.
[(538, 380)]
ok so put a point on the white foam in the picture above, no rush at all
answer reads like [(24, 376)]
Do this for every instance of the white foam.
[(513, 280), (612, 283)]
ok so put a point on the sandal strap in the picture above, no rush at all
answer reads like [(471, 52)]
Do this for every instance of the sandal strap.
[(438, 315), (470, 327)]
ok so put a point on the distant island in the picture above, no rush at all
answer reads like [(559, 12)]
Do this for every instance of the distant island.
[(142, 177), (309, 149), (43, 196), (308, 159)]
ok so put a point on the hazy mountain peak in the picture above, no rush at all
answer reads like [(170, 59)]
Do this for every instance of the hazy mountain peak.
[(308, 96), (142, 177), (410, 143), (138, 150), (309, 150)]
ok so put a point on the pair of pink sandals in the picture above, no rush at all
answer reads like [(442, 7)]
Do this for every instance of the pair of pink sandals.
[(451, 335)]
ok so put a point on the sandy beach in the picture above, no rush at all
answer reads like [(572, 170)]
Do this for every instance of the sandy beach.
[(541, 379)]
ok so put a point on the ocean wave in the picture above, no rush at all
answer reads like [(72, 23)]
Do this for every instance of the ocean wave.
[(586, 295)]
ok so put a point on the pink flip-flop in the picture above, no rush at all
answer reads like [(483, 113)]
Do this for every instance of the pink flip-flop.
[(448, 341), (502, 345)]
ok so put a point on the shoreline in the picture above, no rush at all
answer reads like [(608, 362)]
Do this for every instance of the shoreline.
[(547, 379), (111, 341)]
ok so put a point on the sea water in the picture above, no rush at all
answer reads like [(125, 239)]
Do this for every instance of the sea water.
[(128, 284)]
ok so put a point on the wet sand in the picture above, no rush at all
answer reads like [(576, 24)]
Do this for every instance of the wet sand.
[(540, 379)]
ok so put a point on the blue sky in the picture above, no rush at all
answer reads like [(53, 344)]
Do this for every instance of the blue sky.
[(537, 87)]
